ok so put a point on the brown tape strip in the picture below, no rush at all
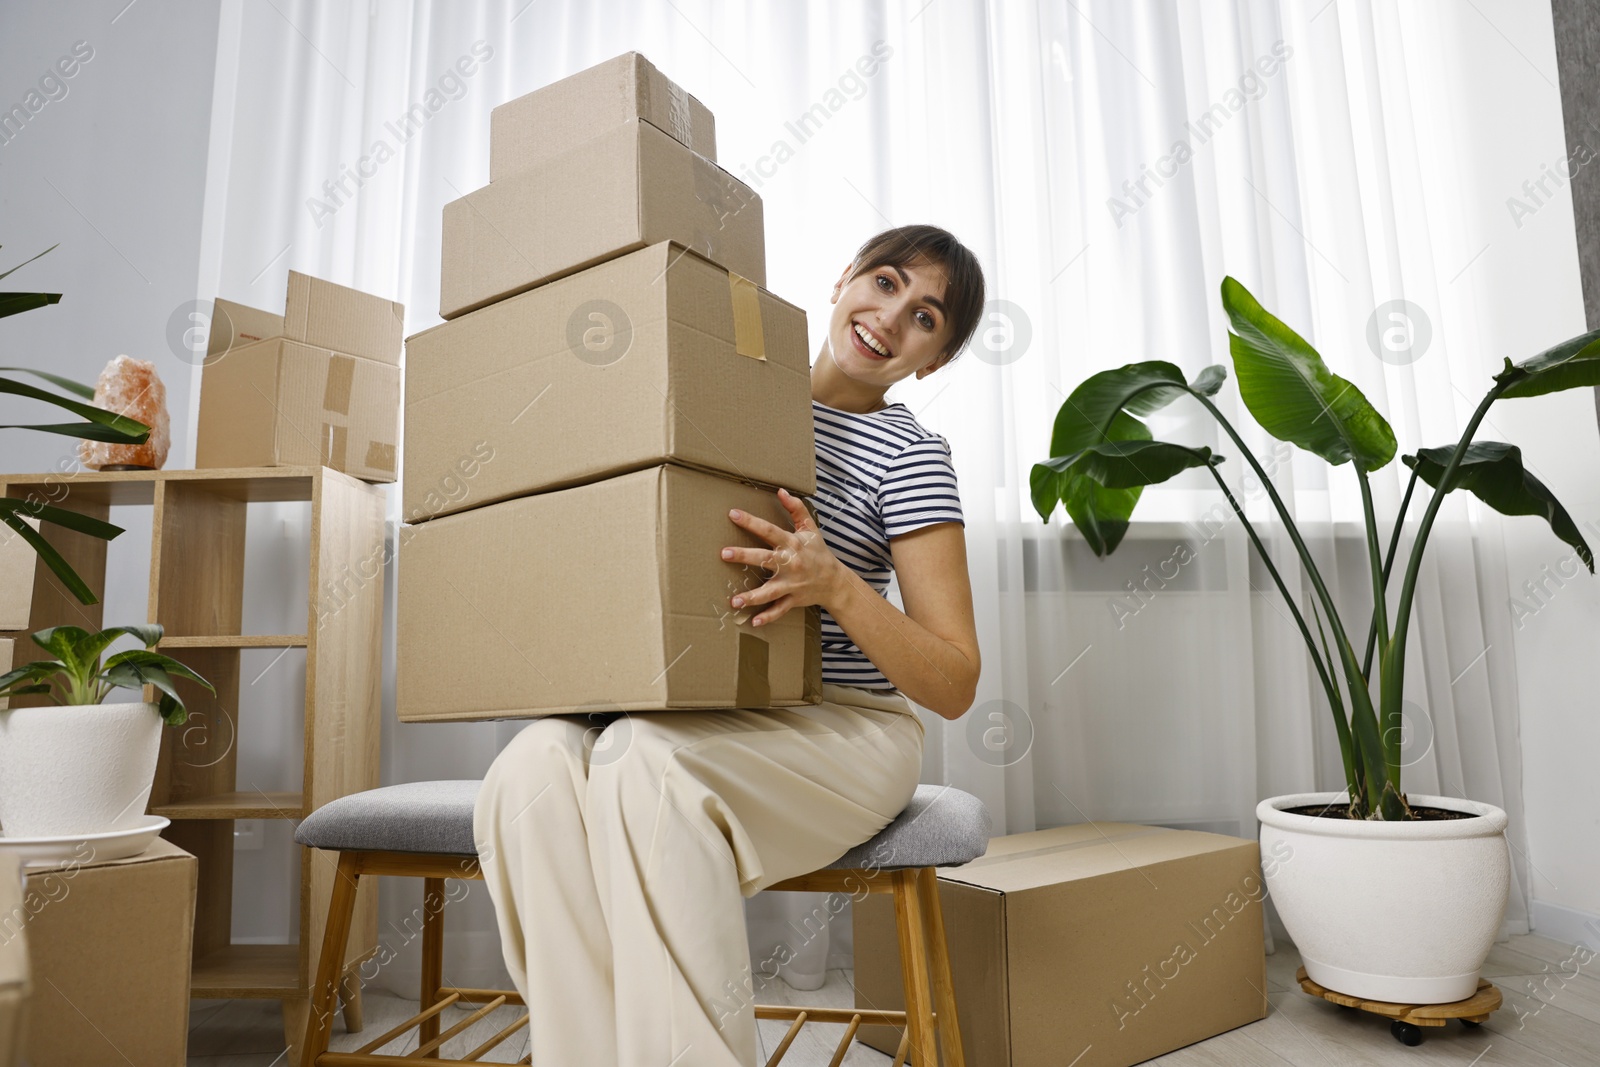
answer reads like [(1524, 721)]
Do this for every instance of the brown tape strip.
[(753, 690), (813, 662), (747, 336), (380, 456), (335, 442), (341, 375)]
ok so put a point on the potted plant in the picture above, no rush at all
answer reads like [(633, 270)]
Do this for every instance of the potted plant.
[(1387, 896), (84, 766)]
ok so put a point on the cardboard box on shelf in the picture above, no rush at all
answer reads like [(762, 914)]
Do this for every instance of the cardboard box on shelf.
[(629, 187), (8, 654), (606, 596), (280, 403), (14, 979), (1100, 944), (18, 562), (656, 356), (317, 313), (527, 131), (109, 943)]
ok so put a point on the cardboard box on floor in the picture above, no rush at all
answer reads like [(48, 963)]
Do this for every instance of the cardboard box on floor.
[(607, 596), (1099, 945), (621, 190), (525, 132), (109, 943), (316, 386), (656, 356)]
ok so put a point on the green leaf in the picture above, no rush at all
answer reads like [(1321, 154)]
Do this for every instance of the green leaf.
[(17, 303), (47, 552), (24, 263), (91, 646), (146, 659), (133, 431), (1571, 364), (1492, 471), (69, 520), (30, 673), (70, 385), (1127, 464), (1292, 393), (1208, 381), (1136, 389), (1099, 513)]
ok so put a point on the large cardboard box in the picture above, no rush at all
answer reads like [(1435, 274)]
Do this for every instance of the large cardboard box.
[(624, 189), (110, 944), (1099, 945), (656, 356), (529, 130), (607, 596), (280, 403)]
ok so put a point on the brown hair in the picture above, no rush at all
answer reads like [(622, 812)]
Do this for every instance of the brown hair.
[(907, 245)]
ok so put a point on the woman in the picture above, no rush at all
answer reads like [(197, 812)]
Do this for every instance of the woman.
[(618, 863)]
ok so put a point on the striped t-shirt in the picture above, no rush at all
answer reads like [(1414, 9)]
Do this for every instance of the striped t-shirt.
[(878, 476)]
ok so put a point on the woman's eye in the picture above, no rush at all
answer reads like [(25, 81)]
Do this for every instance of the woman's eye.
[(926, 320), (885, 278)]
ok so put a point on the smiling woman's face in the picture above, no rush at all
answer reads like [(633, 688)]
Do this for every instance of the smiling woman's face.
[(901, 311)]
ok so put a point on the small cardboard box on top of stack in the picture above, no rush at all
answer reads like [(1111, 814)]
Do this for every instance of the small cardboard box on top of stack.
[(611, 379)]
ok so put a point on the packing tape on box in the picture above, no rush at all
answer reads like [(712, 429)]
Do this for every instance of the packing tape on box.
[(679, 115), (1099, 839), (753, 689), (341, 377), (335, 441), (380, 456), (747, 336)]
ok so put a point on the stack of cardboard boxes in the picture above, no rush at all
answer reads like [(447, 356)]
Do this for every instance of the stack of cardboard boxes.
[(612, 380)]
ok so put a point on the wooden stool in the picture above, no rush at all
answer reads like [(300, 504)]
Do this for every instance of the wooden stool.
[(424, 830)]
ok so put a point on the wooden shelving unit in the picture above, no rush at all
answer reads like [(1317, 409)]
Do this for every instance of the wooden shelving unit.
[(197, 581)]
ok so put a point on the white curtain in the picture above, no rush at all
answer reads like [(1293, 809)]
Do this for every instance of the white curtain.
[(1325, 167)]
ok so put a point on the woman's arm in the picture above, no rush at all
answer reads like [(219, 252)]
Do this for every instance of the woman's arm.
[(929, 651)]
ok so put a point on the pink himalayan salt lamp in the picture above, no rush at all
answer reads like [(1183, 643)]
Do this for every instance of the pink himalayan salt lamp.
[(130, 387)]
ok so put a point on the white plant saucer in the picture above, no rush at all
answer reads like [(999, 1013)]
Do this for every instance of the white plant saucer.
[(86, 848)]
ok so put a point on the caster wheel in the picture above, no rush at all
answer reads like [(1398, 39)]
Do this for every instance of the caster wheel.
[(1406, 1033), (1473, 1023)]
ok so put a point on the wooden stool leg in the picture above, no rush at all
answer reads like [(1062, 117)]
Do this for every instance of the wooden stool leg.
[(914, 968), (330, 963), (350, 994), (944, 989), (432, 954)]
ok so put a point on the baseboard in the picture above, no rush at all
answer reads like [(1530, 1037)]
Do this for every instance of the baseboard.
[(1567, 925)]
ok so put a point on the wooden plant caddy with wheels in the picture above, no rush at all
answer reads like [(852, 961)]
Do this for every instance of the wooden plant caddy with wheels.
[(197, 589), (1408, 1019)]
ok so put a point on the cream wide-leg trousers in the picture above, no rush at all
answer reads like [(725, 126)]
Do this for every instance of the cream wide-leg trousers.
[(618, 857)]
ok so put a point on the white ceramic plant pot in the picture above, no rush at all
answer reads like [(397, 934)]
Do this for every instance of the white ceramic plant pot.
[(76, 769), (1397, 911)]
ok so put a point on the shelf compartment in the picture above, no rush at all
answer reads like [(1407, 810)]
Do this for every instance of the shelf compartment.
[(271, 971), (252, 805)]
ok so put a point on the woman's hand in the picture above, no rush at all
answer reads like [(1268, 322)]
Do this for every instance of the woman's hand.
[(804, 569)]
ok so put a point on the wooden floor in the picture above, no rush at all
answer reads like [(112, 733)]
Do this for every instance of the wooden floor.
[(1551, 1018)]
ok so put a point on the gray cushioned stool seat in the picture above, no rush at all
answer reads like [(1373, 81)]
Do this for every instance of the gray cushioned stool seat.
[(941, 827), (416, 817)]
